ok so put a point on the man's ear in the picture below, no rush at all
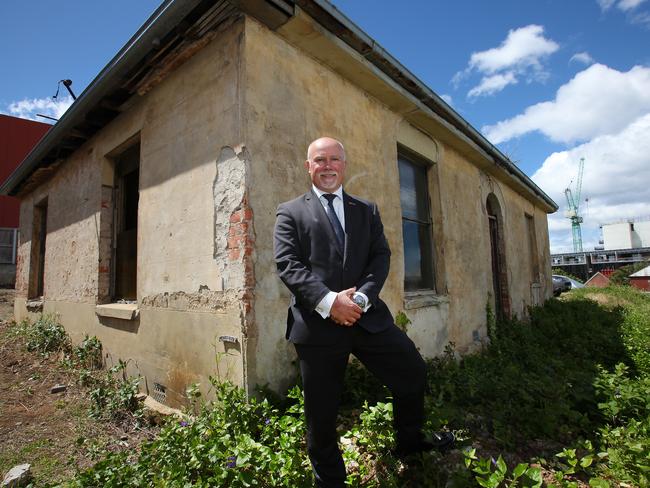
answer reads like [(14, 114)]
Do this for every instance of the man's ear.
[(307, 164)]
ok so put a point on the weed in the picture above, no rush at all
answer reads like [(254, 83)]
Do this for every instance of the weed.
[(402, 321), (113, 394), (45, 336), (88, 354), (492, 473), (233, 442)]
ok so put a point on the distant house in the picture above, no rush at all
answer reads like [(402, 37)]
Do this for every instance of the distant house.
[(17, 137), (641, 279), (598, 280), (148, 210)]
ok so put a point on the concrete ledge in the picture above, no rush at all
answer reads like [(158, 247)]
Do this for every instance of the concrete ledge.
[(420, 299), (123, 311), (34, 305)]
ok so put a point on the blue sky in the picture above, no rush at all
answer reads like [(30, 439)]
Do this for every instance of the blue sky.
[(548, 81)]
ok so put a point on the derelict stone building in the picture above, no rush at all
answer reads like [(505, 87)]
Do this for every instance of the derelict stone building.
[(147, 211)]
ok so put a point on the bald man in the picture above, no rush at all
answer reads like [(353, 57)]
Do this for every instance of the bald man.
[(331, 253)]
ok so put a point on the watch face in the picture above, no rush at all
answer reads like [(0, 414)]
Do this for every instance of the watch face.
[(359, 301)]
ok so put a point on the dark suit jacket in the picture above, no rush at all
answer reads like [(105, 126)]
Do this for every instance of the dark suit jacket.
[(310, 264)]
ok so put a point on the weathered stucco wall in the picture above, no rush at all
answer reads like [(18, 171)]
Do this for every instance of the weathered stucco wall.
[(292, 99), (223, 141), (192, 247)]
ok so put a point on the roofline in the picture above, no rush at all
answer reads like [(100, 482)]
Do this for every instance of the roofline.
[(159, 23), (172, 11), (378, 56)]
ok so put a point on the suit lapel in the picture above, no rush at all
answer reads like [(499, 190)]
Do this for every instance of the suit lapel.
[(322, 221)]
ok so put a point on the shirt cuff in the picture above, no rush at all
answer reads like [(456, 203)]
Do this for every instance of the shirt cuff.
[(368, 304), (325, 305)]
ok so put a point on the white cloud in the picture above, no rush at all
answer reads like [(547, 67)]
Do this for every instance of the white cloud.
[(598, 100), (642, 18), (626, 5), (523, 47), (493, 84), (583, 57), (630, 9), (28, 108), (623, 5), (606, 4), (519, 55), (616, 175)]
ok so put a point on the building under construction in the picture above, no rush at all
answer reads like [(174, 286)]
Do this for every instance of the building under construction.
[(623, 242)]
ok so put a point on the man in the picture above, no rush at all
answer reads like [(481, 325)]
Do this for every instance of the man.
[(331, 253)]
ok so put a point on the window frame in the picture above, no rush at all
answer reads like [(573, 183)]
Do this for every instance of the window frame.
[(125, 164), (13, 245), (404, 153)]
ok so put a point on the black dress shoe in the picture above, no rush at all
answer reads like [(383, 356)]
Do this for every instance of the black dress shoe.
[(436, 441), (439, 441)]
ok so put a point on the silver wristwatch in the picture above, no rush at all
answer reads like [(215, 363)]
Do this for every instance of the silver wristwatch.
[(359, 300)]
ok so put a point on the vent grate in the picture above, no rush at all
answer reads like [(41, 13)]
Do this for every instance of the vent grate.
[(159, 393)]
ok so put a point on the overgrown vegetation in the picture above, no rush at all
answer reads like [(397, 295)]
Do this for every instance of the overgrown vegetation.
[(622, 275), (112, 392), (561, 272), (561, 400)]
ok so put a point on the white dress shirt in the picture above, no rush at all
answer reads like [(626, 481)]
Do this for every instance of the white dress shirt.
[(325, 305)]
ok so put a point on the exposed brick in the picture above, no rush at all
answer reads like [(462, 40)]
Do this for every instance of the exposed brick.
[(233, 242), (235, 217)]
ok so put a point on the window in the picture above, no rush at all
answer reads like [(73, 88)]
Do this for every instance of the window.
[(37, 253), (416, 225), (8, 239), (533, 254), (498, 258), (125, 244)]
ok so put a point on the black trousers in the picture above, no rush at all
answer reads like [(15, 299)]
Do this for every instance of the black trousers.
[(392, 357)]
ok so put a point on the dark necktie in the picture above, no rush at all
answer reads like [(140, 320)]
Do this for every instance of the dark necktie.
[(334, 220)]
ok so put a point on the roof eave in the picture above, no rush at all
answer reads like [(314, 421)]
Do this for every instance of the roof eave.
[(161, 21)]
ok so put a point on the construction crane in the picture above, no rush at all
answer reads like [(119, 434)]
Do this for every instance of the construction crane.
[(573, 207)]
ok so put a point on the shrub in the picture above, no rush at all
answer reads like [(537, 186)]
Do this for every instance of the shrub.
[(45, 335), (625, 406), (88, 354), (535, 379), (622, 275), (233, 442), (113, 394), (633, 307), (561, 272)]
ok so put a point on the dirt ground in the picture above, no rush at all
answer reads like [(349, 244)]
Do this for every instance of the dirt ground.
[(52, 432)]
